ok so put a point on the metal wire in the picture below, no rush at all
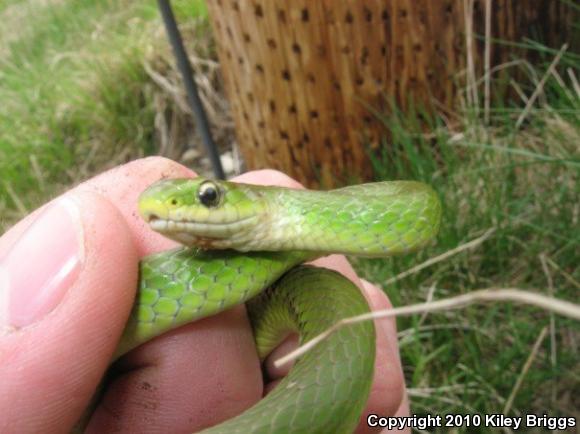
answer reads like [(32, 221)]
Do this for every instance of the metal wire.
[(187, 75)]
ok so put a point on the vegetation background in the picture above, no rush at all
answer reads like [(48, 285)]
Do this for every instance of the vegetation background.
[(86, 85)]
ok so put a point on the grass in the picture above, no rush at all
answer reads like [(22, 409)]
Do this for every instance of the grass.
[(77, 96), (522, 184)]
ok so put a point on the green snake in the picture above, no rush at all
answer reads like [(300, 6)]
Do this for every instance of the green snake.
[(245, 243)]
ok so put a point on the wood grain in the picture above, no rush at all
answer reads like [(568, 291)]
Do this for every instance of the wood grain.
[(302, 74)]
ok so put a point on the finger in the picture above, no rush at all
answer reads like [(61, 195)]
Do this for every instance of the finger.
[(123, 185), (274, 374), (67, 279), (268, 177), (402, 411), (388, 389), (186, 379)]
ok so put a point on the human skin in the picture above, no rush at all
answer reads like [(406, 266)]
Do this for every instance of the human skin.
[(54, 352)]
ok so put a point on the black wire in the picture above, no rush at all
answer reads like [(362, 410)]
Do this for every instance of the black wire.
[(190, 87)]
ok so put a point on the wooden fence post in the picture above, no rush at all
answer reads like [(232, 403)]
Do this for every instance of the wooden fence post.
[(302, 74)]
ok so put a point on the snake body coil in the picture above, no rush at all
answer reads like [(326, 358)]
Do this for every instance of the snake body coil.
[(260, 233)]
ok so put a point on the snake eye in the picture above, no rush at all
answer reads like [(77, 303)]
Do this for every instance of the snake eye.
[(208, 194)]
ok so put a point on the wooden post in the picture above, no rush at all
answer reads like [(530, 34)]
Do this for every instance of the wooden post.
[(302, 75)]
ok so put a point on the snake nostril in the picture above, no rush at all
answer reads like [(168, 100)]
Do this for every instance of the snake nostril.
[(152, 217)]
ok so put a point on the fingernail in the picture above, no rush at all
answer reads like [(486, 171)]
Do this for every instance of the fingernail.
[(39, 268)]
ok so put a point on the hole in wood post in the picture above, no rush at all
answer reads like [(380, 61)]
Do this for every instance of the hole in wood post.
[(327, 143), (348, 18), (259, 68), (284, 135), (271, 43), (286, 75), (296, 48), (246, 38), (292, 109), (282, 15), (306, 138), (385, 15), (258, 10), (364, 55), (272, 106), (314, 114), (311, 78), (305, 15), (293, 157), (368, 14)]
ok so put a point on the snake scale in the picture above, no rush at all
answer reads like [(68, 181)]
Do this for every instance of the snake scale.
[(245, 243)]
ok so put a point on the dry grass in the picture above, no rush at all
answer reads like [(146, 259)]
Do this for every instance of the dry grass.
[(86, 86)]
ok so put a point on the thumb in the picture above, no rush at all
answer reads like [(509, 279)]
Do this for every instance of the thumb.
[(67, 279)]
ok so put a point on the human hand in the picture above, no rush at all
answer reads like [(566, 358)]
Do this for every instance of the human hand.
[(68, 273)]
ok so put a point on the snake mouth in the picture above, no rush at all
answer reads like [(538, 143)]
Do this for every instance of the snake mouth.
[(198, 233), (152, 217)]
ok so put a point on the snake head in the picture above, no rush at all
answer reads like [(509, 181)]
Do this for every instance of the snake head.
[(201, 212)]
